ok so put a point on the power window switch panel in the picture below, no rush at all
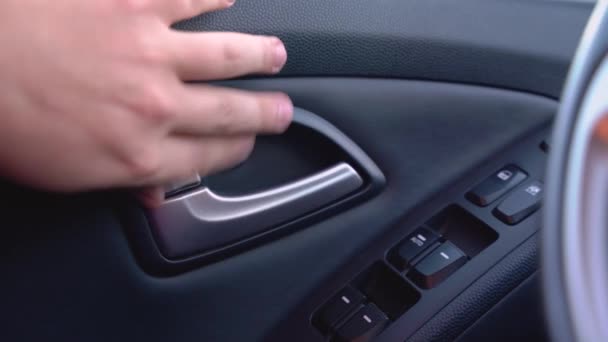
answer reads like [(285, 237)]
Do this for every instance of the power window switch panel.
[(522, 203), (345, 302), (363, 326), (415, 244), (438, 265), (496, 185)]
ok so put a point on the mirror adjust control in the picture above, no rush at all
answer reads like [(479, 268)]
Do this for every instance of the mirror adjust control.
[(497, 185), (343, 303), (183, 185), (438, 265), (409, 249), (363, 326), (521, 203)]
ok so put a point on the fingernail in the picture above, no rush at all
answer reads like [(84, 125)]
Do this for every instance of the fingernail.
[(279, 55), (230, 2), (284, 114)]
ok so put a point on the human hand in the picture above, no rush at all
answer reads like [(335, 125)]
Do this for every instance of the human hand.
[(602, 129), (92, 94)]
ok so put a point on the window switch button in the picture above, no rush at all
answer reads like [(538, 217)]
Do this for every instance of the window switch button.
[(409, 249), (363, 326), (438, 265), (343, 303), (497, 185), (521, 203)]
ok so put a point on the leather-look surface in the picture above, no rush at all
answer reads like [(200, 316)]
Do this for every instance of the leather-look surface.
[(517, 44)]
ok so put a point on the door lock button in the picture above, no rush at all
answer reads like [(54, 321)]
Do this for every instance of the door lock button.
[(496, 185), (520, 204), (438, 265)]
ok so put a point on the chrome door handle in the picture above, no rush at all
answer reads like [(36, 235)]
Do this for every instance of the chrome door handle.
[(195, 223), (202, 220)]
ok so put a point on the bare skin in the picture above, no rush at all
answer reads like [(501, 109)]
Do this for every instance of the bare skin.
[(92, 94), (602, 129)]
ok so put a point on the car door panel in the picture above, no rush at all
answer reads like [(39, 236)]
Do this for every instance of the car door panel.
[(72, 261), (525, 45), (438, 94)]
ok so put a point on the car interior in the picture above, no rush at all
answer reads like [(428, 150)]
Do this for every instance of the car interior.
[(440, 182)]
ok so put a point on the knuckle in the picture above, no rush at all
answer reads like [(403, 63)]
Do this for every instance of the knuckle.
[(267, 109), (185, 172), (186, 6), (244, 149), (135, 5), (224, 3), (154, 103), (204, 169), (149, 51), (233, 53), (142, 163), (234, 153), (227, 118)]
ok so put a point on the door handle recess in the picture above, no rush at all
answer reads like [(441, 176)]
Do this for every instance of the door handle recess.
[(195, 223), (203, 220)]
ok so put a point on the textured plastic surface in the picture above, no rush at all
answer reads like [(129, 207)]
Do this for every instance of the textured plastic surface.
[(517, 317), (517, 44), (488, 290)]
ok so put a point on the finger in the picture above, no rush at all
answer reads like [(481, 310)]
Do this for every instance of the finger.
[(221, 55), (183, 156), (206, 110), (151, 197), (602, 129), (177, 10)]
